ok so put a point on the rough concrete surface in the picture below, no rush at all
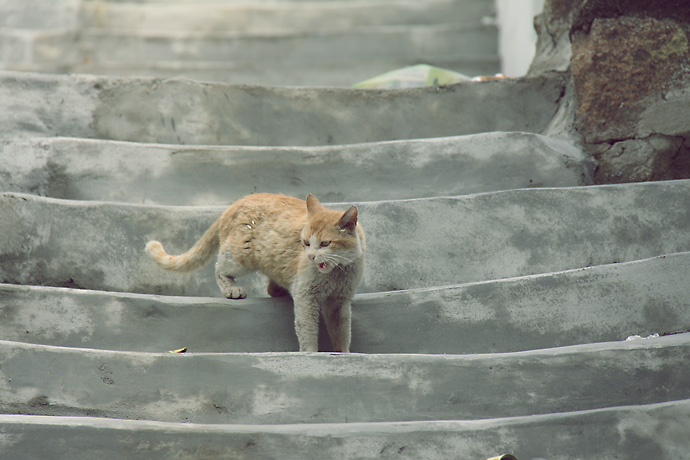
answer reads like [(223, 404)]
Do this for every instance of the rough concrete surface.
[(265, 388), (651, 431), (452, 239), (289, 16), (335, 57), (177, 111), (267, 43), (84, 169), (596, 304), (499, 290)]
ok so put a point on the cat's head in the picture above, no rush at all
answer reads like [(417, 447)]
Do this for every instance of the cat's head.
[(330, 238)]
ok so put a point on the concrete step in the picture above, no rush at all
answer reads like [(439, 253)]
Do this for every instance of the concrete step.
[(288, 59), (39, 50), (187, 112), (271, 43), (322, 47), (414, 243), (277, 388), (597, 304), (85, 169), (528, 279), (640, 431), (38, 15), (276, 58), (341, 73), (270, 17)]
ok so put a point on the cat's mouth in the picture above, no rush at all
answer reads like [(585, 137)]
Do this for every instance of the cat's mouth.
[(324, 267)]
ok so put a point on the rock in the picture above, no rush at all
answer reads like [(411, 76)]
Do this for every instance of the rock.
[(553, 43), (629, 102), (656, 157), (625, 67)]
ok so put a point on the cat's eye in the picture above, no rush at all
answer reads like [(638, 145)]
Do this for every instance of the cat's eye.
[(305, 242), (325, 243)]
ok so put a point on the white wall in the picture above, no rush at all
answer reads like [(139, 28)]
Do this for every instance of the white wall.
[(517, 38)]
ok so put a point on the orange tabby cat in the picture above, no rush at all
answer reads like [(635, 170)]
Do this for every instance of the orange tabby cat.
[(308, 251)]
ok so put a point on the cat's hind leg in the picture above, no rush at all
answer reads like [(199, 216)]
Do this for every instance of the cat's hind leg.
[(337, 316), (275, 290), (227, 269)]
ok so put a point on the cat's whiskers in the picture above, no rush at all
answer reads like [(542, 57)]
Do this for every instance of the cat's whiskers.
[(338, 261), (340, 257)]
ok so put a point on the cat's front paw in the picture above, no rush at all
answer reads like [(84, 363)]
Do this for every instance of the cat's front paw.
[(235, 292)]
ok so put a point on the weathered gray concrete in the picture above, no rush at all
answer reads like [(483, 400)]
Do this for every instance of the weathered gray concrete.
[(86, 169), (414, 243), (269, 43), (337, 57), (326, 388), (35, 14), (261, 17), (187, 112), (644, 431), (603, 303), (473, 274), (336, 74)]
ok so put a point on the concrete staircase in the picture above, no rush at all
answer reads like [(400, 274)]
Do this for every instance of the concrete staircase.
[(500, 285), (285, 42)]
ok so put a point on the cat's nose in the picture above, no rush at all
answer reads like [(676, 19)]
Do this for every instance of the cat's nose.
[(311, 256)]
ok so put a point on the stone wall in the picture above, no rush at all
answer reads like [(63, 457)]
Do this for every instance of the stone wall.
[(629, 98)]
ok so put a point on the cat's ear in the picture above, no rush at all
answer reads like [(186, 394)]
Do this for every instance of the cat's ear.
[(348, 221), (313, 205)]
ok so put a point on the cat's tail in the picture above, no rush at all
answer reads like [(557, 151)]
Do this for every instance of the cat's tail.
[(198, 256)]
